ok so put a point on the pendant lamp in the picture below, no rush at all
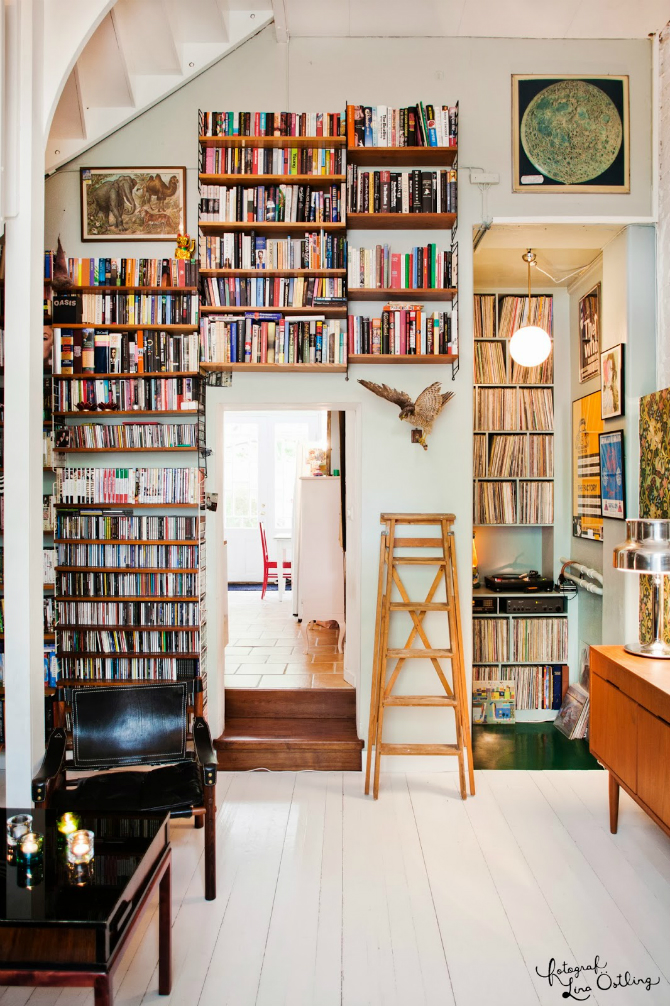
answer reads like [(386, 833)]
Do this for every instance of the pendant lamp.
[(530, 345)]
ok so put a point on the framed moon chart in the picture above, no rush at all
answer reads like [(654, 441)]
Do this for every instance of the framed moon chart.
[(570, 134)]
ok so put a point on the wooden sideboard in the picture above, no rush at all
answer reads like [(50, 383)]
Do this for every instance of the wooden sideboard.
[(630, 729)]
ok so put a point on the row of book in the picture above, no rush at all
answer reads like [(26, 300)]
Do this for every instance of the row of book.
[(124, 526), (317, 161), (402, 330), (539, 639), (420, 125), (122, 308), (316, 250), (127, 556), (102, 585), (496, 503), (490, 639), (270, 338), (144, 394), (424, 267), (536, 502), (47, 449), (49, 565), (272, 291), (105, 641), (513, 314), (515, 456), (491, 366), (129, 668), (539, 687), (514, 409), (47, 513), (271, 204), (484, 316), (182, 614), (127, 436), (85, 351), (128, 485), (49, 612), (168, 272), (271, 123), (411, 191)]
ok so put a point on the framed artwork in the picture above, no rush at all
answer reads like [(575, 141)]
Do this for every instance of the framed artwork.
[(589, 334), (133, 204), (587, 425), (612, 475), (611, 382), (570, 133)]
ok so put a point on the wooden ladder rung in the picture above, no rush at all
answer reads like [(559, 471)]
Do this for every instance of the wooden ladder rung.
[(413, 561), (419, 700), (413, 652), (420, 606), (418, 543), (419, 749)]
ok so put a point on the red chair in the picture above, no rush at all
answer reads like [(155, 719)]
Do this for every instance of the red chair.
[(270, 570)]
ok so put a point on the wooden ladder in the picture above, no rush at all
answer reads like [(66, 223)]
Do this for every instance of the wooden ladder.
[(384, 677)]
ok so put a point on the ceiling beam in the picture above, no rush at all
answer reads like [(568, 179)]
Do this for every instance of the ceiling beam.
[(279, 11)]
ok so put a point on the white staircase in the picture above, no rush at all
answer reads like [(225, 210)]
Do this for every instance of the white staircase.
[(141, 51)]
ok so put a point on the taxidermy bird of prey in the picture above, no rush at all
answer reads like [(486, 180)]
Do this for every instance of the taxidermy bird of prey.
[(422, 413)]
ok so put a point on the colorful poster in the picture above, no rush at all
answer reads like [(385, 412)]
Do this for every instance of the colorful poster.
[(612, 482), (587, 425), (589, 335)]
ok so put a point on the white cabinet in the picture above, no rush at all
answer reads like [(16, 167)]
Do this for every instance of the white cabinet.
[(318, 553)]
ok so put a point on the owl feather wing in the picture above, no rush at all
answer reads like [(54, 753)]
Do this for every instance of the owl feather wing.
[(399, 398)]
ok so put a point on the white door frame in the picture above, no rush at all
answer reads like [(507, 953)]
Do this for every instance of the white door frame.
[(353, 448)]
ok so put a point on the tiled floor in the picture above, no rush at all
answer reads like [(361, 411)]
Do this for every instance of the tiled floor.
[(266, 646)]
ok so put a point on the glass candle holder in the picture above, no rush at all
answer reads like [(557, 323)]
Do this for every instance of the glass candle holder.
[(17, 827), (79, 874), (80, 847), (30, 848), (30, 876)]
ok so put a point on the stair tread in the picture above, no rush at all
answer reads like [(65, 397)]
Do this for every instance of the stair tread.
[(297, 732)]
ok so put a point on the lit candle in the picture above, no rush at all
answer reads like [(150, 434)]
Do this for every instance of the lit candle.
[(68, 823), (80, 847), (29, 851)]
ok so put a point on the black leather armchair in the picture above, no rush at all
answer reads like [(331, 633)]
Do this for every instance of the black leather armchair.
[(115, 727)]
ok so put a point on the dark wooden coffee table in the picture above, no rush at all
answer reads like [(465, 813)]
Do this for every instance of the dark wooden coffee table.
[(59, 932)]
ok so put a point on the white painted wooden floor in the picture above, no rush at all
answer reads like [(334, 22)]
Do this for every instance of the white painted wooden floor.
[(327, 898)]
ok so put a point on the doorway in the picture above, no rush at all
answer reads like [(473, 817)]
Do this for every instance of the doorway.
[(284, 494)]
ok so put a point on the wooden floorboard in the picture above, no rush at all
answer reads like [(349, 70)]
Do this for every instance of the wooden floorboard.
[(327, 898)]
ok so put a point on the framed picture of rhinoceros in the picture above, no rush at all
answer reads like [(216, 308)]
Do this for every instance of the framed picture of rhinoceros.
[(133, 204)]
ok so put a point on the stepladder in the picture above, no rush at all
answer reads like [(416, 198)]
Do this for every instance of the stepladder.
[(413, 639)]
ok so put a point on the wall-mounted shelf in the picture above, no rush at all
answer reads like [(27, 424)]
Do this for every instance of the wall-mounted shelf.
[(262, 273), (401, 293), (273, 141), (421, 359), (338, 311), (277, 368), (275, 227), (400, 221), (402, 157), (315, 181)]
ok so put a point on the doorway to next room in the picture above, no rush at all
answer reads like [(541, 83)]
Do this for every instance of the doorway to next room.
[(283, 500)]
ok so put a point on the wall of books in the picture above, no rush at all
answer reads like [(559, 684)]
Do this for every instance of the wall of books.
[(128, 518), (519, 663)]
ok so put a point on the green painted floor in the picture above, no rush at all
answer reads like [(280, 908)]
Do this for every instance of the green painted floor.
[(528, 746)]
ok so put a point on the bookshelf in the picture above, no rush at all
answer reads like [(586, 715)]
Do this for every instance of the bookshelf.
[(238, 174), (513, 487), (399, 179), (130, 532), (513, 420)]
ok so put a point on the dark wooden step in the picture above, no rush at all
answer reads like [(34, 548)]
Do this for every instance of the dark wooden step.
[(273, 729), (334, 703)]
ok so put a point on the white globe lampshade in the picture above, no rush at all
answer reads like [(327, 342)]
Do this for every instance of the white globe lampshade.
[(530, 346)]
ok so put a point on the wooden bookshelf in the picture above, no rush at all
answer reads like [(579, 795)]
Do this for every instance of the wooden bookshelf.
[(272, 227), (315, 181), (277, 368), (273, 141), (126, 506), (120, 598), (401, 221), (412, 360), (261, 273), (125, 541), (401, 293), (88, 376), (116, 288), (125, 569), (129, 412), (123, 450), (129, 628), (128, 327), (128, 654), (338, 311), (402, 157)]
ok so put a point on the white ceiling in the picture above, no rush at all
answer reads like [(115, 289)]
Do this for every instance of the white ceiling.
[(473, 18), (562, 250)]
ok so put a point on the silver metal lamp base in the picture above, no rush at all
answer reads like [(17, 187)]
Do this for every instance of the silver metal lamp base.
[(658, 649)]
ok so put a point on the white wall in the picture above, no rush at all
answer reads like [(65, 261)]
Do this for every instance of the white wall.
[(325, 73)]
